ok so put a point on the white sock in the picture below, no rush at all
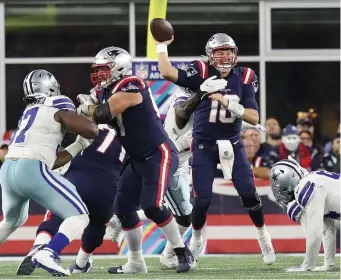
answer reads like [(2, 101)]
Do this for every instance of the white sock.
[(82, 258), (182, 230), (172, 234), (142, 215), (134, 242), (169, 248), (42, 238), (196, 234), (73, 227), (5, 231), (261, 230)]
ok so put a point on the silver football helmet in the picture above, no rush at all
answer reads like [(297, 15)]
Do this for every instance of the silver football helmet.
[(284, 177), (40, 84), (110, 64), (221, 41)]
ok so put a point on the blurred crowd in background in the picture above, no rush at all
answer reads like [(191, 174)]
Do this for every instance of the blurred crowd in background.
[(297, 141)]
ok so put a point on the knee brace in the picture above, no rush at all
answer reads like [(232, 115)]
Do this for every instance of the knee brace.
[(158, 215), (128, 221), (184, 221), (251, 200)]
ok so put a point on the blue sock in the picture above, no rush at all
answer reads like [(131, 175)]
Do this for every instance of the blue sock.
[(58, 242)]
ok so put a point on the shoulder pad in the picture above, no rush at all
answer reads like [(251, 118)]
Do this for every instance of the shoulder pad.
[(197, 67), (129, 82), (247, 75), (294, 211), (60, 102), (304, 194)]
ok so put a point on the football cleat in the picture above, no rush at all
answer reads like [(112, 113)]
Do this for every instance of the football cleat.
[(168, 261), (26, 267), (49, 261), (139, 268), (74, 268), (185, 259)]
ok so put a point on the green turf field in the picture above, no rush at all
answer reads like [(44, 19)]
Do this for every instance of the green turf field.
[(215, 267)]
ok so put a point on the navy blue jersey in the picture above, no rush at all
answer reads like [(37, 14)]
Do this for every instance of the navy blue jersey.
[(139, 128), (266, 156), (211, 120), (103, 157)]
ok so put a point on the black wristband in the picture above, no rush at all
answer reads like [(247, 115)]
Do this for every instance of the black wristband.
[(102, 114)]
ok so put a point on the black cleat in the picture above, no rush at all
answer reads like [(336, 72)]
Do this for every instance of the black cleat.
[(74, 268), (186, 259), (26, 267), (115, 270)]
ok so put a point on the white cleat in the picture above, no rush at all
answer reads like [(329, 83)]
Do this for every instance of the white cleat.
[(195, 247), (115, 228), (136, 267), (49, 261), (265, 244), (168, 261)]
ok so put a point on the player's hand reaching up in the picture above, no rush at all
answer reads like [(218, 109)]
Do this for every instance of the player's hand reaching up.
[(167, 43), (212, 85), (86, 99)]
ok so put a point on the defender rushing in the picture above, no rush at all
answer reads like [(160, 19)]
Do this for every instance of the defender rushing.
[(26, 173), (313, 199), (216, 132)]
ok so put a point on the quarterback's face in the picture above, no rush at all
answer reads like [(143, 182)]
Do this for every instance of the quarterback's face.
[(225, 55)]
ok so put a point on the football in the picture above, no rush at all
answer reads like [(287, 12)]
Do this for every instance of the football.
[(161, 29)]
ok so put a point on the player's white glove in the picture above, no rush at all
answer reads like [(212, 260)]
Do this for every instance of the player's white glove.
[(86, 111), (295, 269), (183, 142), (79, 145), (87, 99), (212, 84), (258, 127)]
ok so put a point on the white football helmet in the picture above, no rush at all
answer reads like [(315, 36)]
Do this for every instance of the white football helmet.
[(221, 41), (110, 65), (40, 84)]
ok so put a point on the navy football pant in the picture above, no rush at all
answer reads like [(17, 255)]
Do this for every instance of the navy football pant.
[(205, 160), (144, 183), (98, 195)]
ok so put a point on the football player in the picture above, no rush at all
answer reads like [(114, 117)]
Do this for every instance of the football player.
[(27, 171), (95, 173), (126, 103), (216, 131), (313, 200)]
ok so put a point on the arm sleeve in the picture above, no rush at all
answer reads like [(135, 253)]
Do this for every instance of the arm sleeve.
[(192, 77), (250, 88), (314, 210)]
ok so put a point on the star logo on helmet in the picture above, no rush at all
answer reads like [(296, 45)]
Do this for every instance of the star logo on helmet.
[(275, 177)]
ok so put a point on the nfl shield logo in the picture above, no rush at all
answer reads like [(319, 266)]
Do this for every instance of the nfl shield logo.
[(142, 71)]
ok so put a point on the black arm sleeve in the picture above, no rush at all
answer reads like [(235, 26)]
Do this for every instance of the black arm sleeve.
[(102, 114)]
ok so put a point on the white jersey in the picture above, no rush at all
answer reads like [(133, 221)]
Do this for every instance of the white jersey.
[(174, 132), (318, 197), (39, 135)]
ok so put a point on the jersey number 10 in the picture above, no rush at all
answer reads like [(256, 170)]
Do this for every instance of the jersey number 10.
[(219, 113)]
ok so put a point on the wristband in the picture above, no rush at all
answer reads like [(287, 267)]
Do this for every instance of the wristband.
[(74, 148), (161, 48)]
